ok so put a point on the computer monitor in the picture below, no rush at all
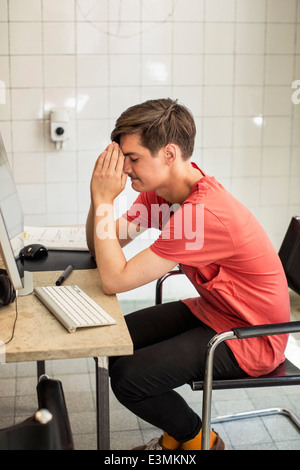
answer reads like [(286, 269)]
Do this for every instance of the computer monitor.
[(12, 228)]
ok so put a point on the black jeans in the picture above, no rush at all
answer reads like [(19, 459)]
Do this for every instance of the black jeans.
[(169, 351)]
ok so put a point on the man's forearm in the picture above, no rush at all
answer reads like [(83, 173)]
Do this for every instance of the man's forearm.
[(107, 248), (90, 230)]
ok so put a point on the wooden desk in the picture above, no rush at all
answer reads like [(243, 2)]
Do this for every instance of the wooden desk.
[(39, 336)]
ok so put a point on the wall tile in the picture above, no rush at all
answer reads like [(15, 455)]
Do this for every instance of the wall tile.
[(25, 11), (249, 69), (126, 10), (86, 161), (92, 70), (220, 10), (124, 37), (121, 98), (191, 97), (219, 38), (27, 103), (252, 11), (27, 136), (274, 191), (5, 107), (59, 38), (65, 192), (3, 37), (247, 190), (275, 161), (246, 162), (92, 103), (59, 71), (124, 70), (231, 62), (6, 132), (92, 38), (26, 71), (89, 10), (156, 70), (29, 168), (217, 132), (3, 10), (25, 38), (279, 69), (157, 10), (194, 11), (217, 162), (294, 190), (218, 69), (56, 10), (250, 38), (296, 133), (280, 38), (248, 100), (295, 161), (281, 11), (33, 198), (62, 97), (278, 101), (156, 38), (92, 134), (277, 131), (247, 133), (218, 101), (193, 38), (61, 167)]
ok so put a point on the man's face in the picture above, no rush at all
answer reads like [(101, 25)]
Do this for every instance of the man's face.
[(147, 172)]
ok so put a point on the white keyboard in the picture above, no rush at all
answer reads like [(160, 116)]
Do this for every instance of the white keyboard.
[(73, 307)]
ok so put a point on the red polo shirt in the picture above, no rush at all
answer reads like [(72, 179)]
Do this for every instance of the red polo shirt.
[(230, 260)]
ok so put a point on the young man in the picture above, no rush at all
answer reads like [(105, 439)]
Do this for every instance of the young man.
[(220, 247)]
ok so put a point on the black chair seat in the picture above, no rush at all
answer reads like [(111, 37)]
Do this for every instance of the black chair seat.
[(285, 374)]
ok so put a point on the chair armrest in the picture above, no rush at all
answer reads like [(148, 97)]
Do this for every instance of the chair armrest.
[(160, 281), (267, 330)]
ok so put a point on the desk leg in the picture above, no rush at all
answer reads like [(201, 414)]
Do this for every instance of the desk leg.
[(40, 368), (102, 397)]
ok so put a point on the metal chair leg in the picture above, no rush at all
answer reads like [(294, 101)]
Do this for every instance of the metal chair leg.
[(207, 386), (258, 414)]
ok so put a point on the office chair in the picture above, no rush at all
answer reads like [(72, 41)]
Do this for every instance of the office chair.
[(286, 374), (48, 428)]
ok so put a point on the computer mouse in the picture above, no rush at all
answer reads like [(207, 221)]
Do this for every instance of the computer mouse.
[(33, 252)]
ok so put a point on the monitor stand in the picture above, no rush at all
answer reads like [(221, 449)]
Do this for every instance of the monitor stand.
[(27, 283)]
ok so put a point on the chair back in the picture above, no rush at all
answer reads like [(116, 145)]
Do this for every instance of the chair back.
[(289, 254)]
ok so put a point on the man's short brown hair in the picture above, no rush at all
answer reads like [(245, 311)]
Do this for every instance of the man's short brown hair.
[(158, 123)]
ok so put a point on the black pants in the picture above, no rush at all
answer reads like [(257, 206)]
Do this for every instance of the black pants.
[(170, 347)]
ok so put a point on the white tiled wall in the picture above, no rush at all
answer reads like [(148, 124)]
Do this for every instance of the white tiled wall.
[(232, 62)]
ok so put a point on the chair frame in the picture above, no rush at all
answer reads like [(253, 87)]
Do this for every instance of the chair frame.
[(48, 428), (207, 385)]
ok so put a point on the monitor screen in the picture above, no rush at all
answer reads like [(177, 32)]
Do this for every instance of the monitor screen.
[(11, 222)]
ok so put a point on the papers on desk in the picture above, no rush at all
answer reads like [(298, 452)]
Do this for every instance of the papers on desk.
[(58, 237)]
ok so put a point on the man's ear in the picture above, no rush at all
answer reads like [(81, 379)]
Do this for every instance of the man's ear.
[(171, 153)]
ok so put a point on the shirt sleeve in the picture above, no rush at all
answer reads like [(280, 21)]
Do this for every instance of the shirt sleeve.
[(139, 212), (194, 236)]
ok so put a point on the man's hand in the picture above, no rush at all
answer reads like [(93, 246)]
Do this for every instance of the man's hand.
[(108, 179)]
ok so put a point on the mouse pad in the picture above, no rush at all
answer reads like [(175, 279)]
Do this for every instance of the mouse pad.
[(60, 259)]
